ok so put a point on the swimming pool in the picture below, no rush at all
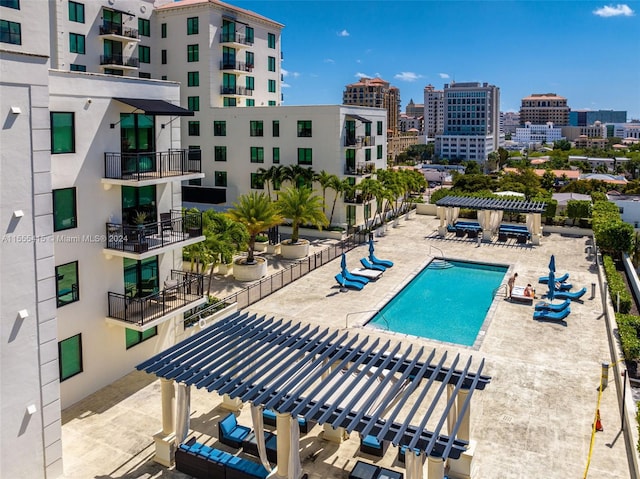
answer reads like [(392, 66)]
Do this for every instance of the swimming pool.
[(444, 303)]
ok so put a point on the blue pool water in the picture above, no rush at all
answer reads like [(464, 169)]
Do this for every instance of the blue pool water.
[(444, 304)]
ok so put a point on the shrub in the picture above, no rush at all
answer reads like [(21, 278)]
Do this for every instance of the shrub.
[(628, 329), (616, 286)]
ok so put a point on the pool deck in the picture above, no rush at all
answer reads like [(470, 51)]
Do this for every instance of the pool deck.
[(533, 420)]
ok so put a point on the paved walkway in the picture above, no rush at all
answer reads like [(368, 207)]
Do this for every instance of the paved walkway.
[(532, 421)]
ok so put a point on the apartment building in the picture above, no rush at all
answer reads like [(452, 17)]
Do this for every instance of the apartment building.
[(537, 134), (597, 130), (347, 141), (378, 93), (540, 108), (433, 111), (414, 110), (471, 122), (509, 121)]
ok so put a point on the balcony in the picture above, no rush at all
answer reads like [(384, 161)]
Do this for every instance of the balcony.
[(152, 167), (351, 141), (116, 31), (237, 39), (360, 169), (356, 199), (236, 66), (237, 91), (174, 230), (119, 61), (182, 292)]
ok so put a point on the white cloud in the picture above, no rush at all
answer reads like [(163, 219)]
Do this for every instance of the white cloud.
[(443, 75), (614, 11), (362, 75), (329, 60), (343, 33), (407, 76), (284, 85), (287, 73)]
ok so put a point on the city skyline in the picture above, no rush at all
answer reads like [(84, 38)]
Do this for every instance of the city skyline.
[(569, 49)]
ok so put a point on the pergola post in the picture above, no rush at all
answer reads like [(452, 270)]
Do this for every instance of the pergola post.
[(165, 439), (536, 234), (435, 468), (452, 416), (283, 433), (442, 229), (461, 467)]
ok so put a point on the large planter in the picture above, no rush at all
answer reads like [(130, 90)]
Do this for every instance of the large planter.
[(249, 272), (260, 247), (297, 250)]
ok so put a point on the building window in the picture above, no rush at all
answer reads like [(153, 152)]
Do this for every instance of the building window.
[(70, 357), (67, 289), (272, 103), (257, 154), (271, 65), (226, 101), (220, 178), (194, 128), (276, 128), (163, 30), (257, 181), (256, 128), (113, 71), (249, 59), (250, 83), (76, 12), (10, 4), (193, 103), (220, 153), (304, 129), (144, 54), (249, 35), (193, 53), (304, 156), (163, 57), (77, 68), (193, 78), (379, 151), (144, 27), (351, 215), (64, 209), (144, 75), (195, 182), (62, 132), (192, 26), (367, 154), (250, 102), (133, 337), (379, 128), (276, 155), (76, 43), (367, 129), (272, 86), (163, 77), (219, 128), (271, 40)]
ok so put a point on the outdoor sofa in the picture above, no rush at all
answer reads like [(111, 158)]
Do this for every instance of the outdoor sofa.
[(230, 432)]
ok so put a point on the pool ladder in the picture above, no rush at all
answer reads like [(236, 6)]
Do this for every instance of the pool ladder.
[(497, 290), (438, 262)]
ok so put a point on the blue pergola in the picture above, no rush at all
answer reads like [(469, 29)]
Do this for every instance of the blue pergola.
[(328, 377)]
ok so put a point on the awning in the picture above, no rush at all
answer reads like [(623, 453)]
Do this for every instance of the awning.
[(510, 206), (156, 107), (358, 117)]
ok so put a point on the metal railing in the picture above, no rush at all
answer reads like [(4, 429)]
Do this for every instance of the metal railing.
[(238, 90), (111, 28), (235, 38), (118, 59), (187, 288), (175, 227), (153, 164), (359, 141), (240, 66), (360, 169), (263, 288)]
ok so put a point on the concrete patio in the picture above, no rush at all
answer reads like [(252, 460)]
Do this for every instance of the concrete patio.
[(534, 419)]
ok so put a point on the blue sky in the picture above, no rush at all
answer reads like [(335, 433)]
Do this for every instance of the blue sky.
[(588, 52)]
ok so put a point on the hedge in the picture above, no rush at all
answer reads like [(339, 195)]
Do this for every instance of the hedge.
[(628, 329), (616, 286)]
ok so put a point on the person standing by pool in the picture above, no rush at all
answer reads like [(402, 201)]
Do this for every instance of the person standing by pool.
[(511, 283)]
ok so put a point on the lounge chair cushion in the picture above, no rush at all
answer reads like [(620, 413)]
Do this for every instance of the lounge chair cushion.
[(248, 467)]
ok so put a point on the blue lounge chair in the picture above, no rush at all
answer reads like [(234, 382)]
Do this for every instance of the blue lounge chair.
[(551, 315), (559, 279), (563, 286), (553, 307), (572, 295), (369, 265), (382, 262), (230, 432), (352, 277), (342, 281)]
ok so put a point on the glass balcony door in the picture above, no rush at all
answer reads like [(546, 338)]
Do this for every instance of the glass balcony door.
[(141, 277), (137, 136)]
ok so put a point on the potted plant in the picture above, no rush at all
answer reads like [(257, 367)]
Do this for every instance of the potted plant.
[(261, 242), (301, 206), (257, 213), (139, 219)]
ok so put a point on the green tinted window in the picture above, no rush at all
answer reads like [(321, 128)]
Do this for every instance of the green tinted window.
[(192, 26), (144, 27), (257, 154), (256, 128), (193, 79), (76, 12), (271, 64), (67, 287), (219, 128), (276, 155), (220, 178), (193, 103), (62, 132), (194, 128), (163, 30), (271, 40), (305, 156), (64, 209), (144, 54), (272, 86), (133, 337), (70, 357), (220, 153), (193, 53), (76, 43), (379, 128), (379, 148)]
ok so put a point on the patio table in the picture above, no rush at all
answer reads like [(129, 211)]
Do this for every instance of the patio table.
[(364, 470)]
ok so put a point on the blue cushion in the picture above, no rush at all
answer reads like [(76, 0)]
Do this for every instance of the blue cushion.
[(204, 451), (371, 441), (184, 447), (302, 421), (268, 413), (238, 433), (251, 468), (228, 423), (195, 447)]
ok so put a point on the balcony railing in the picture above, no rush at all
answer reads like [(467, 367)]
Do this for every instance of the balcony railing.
[(239, 66), (360, 169), (120, 60), (173, 227), (235, 38), (238, 90), (359, 141), (183, 288), (151, 165), (111, 28), (355, 199)]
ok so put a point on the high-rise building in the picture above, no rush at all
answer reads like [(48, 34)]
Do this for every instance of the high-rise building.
[(414, 110), (589, 117), (377, 93), (471, 122), (540, 108), (433, 111)]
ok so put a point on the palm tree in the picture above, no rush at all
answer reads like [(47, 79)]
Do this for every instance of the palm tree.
[(298, 176), (257, 213), (325, 179), (301, 206), (339, 186), (224, 238), (273, 176)]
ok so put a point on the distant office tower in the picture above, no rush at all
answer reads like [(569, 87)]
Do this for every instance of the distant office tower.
[(414, 110), (589, 117), (433, 111), (471, 122), (509, 121), (377, 93), (540, 108)]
